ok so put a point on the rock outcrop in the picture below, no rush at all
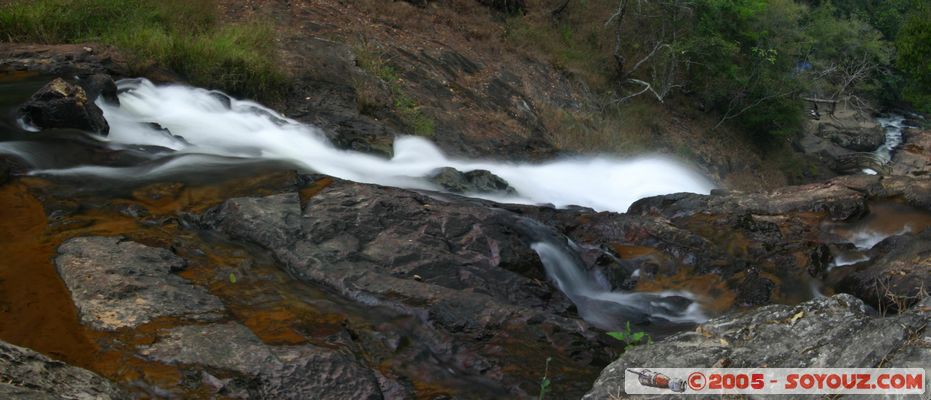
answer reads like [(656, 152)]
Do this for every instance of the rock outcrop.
[(60, 104), (834, 332), (26, 374), (118, 284), (283, 372), (897, 275), (461, 266), (842, 140)]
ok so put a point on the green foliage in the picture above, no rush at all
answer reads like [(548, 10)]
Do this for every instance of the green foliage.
[(750, 62), (744, 53), (545, 382), (232, 278), (914, 48), (631, 339), (185, 36)]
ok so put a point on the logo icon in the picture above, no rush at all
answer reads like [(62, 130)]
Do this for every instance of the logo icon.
[(657, 380)]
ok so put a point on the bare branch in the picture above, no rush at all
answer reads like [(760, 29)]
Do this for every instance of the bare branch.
[(728, 115), (658, 46)]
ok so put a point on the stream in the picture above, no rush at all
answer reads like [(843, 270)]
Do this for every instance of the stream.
[(209, 145), (176, 152), (202, 127)]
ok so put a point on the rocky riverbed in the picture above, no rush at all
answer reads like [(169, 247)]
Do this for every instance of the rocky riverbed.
[(260, 279)]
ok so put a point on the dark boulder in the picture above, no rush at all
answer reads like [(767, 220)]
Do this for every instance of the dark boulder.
[(99, 86), (60, 104), (476, 181), (223, 98)]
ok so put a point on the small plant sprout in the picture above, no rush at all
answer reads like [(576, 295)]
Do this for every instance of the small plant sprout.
[(630, 338), (233, 277), (545, 382)]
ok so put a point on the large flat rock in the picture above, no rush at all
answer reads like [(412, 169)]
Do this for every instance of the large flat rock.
[(832, 332), (283, 372), (26, 374), (119, 284)]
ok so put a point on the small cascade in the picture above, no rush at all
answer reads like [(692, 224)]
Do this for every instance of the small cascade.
[(607, 309)]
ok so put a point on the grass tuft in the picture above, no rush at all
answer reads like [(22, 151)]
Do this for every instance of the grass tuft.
[(185, 36), (404, 106)]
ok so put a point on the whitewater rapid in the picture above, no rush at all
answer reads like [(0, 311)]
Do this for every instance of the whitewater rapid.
[(609, 309), (207, 124)]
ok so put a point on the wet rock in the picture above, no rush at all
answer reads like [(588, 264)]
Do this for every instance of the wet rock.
[(60, 104), (223, 98), (463, 267), (117, 284), (26, 374), (284, 372), (155, 126), (99, 86), (896, 276), (836, 332), (476, 181), (393, 232)]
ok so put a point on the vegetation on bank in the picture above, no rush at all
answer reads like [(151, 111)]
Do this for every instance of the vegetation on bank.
[(404, 106), (751, 63), (185, 36)]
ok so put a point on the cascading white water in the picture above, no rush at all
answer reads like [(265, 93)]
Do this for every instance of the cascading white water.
[(608, 309), (892, 126), (201, 124)]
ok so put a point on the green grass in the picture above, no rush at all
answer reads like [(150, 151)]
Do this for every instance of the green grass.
[(183, 35), (579, 42), (404, 106)]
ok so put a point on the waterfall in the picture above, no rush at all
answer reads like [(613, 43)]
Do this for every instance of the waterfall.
[(608, 309), (199, 124)]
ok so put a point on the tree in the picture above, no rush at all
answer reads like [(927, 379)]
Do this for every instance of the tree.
[(660, 26), (914, 51), (847, 55)]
